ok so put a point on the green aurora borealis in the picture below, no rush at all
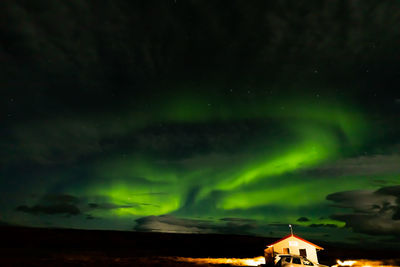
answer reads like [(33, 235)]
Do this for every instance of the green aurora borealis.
[(270, 170), (190, 117)]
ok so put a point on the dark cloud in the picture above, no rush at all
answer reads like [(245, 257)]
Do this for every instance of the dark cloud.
[(102, 202), (370, 224), (316, 225), (110, 206), (93, 205), (374, 212), (362, 201), (50, 209), (167, 223), (238, 220), (303, 219), (90, 217), (53, 204), (364, 165), (390, 190), (60, 198), (396, 215)]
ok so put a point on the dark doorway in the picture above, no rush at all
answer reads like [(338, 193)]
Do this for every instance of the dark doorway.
[(303, 252)]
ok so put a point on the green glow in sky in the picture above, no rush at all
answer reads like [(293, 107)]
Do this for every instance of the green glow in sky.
[(175, 160), (143, 185)]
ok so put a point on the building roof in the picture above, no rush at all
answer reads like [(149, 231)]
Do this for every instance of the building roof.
[(295, 236)]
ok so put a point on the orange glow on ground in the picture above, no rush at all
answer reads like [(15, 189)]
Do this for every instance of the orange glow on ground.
[(364, 263), (231, 261)]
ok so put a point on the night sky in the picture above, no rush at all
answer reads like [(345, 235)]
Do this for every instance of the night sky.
[(234, 117)]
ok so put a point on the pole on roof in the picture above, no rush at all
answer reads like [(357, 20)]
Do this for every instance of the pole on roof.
[(291, 229)]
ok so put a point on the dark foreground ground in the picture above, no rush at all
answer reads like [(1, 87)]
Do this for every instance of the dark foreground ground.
[(63, 247)]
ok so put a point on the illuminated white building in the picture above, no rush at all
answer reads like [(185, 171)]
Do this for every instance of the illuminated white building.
[(294, 245)]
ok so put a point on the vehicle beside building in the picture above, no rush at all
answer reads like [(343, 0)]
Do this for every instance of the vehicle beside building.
[(287, 260), (294, 248)]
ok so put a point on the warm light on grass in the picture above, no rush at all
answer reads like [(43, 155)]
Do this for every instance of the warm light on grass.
[(231, 261), (364, 263)]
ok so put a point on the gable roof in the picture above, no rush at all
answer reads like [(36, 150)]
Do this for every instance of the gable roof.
[(295, 236)]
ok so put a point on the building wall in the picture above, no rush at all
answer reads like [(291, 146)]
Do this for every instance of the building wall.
[(294, 246)]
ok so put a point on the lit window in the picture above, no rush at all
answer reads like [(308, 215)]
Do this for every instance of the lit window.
[(303, 252)]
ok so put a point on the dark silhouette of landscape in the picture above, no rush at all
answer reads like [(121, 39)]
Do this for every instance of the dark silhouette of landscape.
[(23, 246)]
